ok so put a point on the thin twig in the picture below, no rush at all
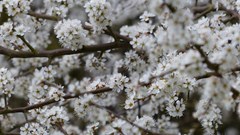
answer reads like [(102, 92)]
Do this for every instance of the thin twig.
[(207, 75), (234, 13), (27, 44), (59, 126), (61, 52), (110, 33), (25, 115), (43, 16), (208, 10), (210, 65), (113, 34), (196, 2), (139, 108), (51, 101)]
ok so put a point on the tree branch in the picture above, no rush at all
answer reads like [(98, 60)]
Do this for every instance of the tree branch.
[(43, 16), (230, 12), (59, 126), (205, 12), (207, 75), (62, 51), (139, 108), (27, 44), (50, 101), (210, 65)]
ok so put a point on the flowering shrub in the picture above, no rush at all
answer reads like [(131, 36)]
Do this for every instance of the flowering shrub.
[(119, 67)]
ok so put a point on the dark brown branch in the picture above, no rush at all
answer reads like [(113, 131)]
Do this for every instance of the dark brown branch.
[(59, 126), (235, 93), (50, 101), (196, 2), (110, 33), (206, 8), (207, 75), (43, 16), (210, 65), (205, 12), (60, 52), (27, 44), (236, 69), (199, 9), (139, 108), (233, 13)]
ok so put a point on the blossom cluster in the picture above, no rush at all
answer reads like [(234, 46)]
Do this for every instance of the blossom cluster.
[(113, 67), (16, 6), (99, 14), (71, 31), (6, 82)]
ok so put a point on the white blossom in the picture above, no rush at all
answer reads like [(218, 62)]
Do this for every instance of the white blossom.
[(54, 116), (93, 63), (129, 103), (16, 6), (113, 67), (56, 93), (146, 16), (33, 128), (176, 108), (99, 13), (117, 82), (145, 121), (209, 115), (157, 87), (71, 34), (6, 82), (82, 106)]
